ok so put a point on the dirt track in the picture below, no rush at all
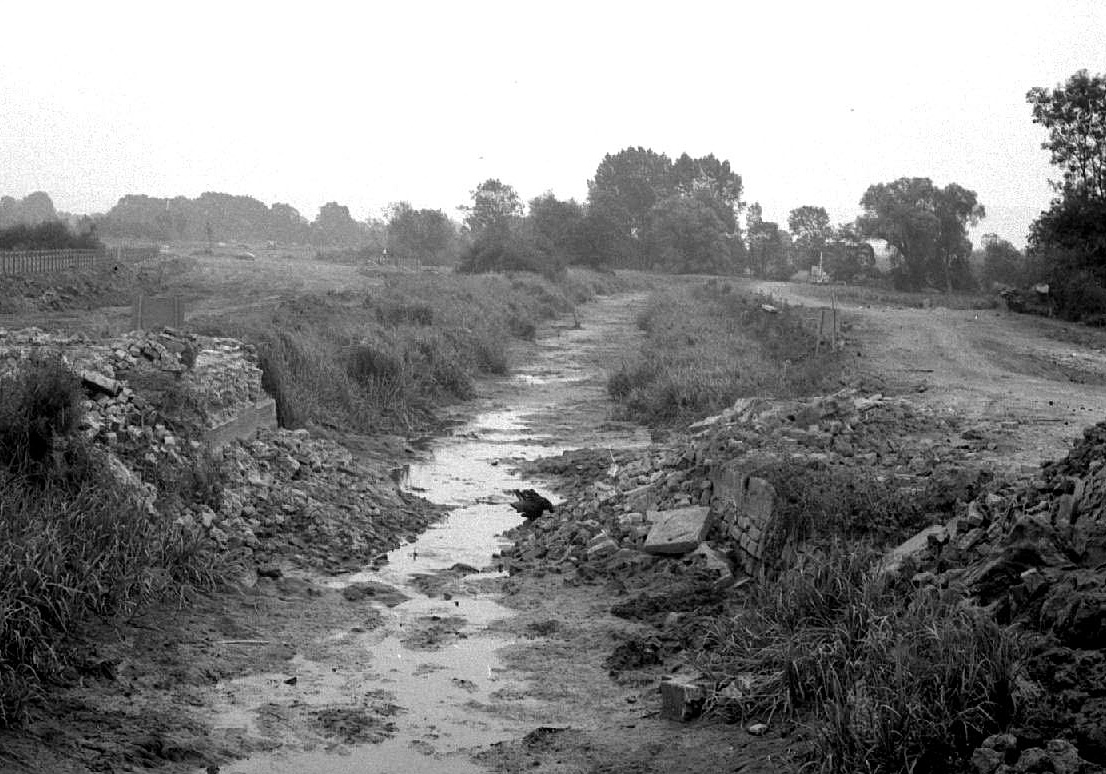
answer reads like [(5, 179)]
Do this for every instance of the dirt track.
[(1036, 381)]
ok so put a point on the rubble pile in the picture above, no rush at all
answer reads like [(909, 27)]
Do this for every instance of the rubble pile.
[(616, 499), (219, 375), (279, 496), (1034, 555), (311, 501), (1027, 544)]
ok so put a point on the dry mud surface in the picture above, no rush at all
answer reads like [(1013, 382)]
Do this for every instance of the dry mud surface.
[(438, 661)]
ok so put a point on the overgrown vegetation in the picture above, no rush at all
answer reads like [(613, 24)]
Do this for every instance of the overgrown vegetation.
[(384, 360), (709, 344), (818, 503), (893, 680), (78, 537)]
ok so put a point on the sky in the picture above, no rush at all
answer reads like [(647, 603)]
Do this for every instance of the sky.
[(371, 103)]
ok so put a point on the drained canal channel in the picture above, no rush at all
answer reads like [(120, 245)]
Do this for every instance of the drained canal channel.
[(426, 688)]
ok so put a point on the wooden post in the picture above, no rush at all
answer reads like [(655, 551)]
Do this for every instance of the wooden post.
[(821, 323), (833, 333)]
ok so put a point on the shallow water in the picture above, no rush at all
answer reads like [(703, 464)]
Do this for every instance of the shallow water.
[(443, 691)]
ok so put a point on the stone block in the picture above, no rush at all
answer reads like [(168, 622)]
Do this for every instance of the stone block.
[(678, 531), (681, 700), (916, 548)]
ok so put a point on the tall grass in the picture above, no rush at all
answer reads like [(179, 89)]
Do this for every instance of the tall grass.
[(894, 680), (76, 541), (386, 358), (708, 345)]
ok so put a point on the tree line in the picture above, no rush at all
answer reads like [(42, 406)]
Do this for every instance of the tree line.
[(645, 210)]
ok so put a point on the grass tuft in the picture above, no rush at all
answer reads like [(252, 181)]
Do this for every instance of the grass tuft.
[(894, 680)]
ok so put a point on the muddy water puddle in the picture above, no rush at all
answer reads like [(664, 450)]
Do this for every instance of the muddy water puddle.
[(417, 696)]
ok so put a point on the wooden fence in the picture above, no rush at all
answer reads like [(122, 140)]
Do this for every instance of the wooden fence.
[(55, 261)]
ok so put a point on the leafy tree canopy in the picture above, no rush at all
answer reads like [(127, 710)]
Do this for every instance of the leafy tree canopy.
[(926, 225), (810, 226), (1075, 115), (424, 235), (685, 235), (494, 204)]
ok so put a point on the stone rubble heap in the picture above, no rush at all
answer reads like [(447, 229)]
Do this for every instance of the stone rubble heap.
[(281, 496), (220, 375), (1029, 546), (288, 496), (616, 500)]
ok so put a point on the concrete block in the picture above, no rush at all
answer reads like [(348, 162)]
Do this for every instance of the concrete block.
[(678, 531)]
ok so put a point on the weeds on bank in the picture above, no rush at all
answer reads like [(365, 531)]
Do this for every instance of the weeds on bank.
[(710, 344), (76, 541), (385, 359), (892, 679)]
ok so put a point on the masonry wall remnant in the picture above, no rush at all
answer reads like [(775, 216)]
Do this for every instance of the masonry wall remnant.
[(744, 507)]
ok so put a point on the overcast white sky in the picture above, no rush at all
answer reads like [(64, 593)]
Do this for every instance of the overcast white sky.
[(370, 103)]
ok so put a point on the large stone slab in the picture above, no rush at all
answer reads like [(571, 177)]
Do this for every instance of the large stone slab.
[(677, 531), (914, 549)]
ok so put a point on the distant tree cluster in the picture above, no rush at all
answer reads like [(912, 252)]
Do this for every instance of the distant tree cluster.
[(643, 211), (32, 210), (226, 217)]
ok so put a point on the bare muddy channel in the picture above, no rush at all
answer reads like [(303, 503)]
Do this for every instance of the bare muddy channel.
[(424, 687)]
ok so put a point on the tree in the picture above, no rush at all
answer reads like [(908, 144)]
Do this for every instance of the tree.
[(926, 225), (494, 204), (561, 224), (335, 227), (1002, 262), (769, 247), (426, 236), (1075, 115), (685, 235), (634, 179), (285, 224), (810, 228), (713, 181), (1067, 243)]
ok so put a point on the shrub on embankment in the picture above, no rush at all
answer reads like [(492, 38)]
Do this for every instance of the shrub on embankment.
[(77, 541), (707, 345), (385, 359)]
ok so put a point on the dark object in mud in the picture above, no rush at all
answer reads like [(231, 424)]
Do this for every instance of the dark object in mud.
[(530, 504)]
